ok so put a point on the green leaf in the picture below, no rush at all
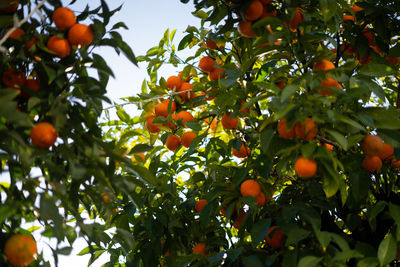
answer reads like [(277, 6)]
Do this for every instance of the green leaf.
[(376, 70), (328, 9), (340, 139), (288, 91), (368, 262), (265, 139), (140, 148), (387, 250), (185, 41), (259, 230), (195, 126), (394, 211), (309, 261)]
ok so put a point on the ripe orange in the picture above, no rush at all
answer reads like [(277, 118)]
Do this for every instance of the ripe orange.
[(274, 237), (80, 34), (284, 132), (372, 164), (20, 249), (30, 43), (64, 18), (307, 130), (32, 84), (387, 152), (211, 44), (216, 74), (395, 162), (206, 64), (11, 8), (150, 126), (200, 205), (305, 168), (372, 145), (187, 138), (244, 152), (213, 124), (261, 199), (349, 17), (329, 147), (16, 34), (59, 46), (250, 188), (368, 35), (43, 135), (356, 9), (394, 60), (185, 87), (161, 109), (298, 17), (329, 83), (324, 65), (200, 248), (244, 28), (185, 116), (228, 122), (174, 82), (13, 78), (173, 142), (254, 11), (280, 84)]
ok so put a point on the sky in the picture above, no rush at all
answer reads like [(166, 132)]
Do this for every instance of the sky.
[(147, 21)]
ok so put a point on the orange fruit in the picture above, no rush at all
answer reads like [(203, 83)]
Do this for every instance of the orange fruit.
[(106, 197), (244, 28), (16, 34), (43, 135), (173, 142), (239, 219), (372, 145), (80, 34), (387, 152), (324, 65), (347, 48), (356, 9), (59, 46), (254, 11), (250, 188), (185, 116), (274, 237), (368, 35), (20, 249), (394, 60), (141, 156), (348, 17), (372, 164), (64, 18), (216, 74), (261, 199), (174, 82), (200, 205), (244, 152), (187, 138), (150, 126), (11, 8), (213, 124), (298, 17), (284, 132), (329, 147), (280, 84), (13, 78), (211, 44), (395, 162), (206, 64), (305, 168), (168, 252), (307, 130), (200, 248), (228, 122), (161, 109), (30, 43), (329, 83), (185, 87), (32, 84)]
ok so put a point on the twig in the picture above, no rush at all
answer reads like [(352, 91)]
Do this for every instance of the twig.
[(147, 100), (398, 94), (19, 23)]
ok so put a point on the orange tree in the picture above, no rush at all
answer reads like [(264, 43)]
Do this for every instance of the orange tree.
[(274, 144), (57, 172)]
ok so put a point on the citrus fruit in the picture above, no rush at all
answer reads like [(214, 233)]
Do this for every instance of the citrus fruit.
[(80, 34), (244, 28), (43, 135), (284, 132), (174, 82), (216, 74), (64, 18), (228, 122), (244, 152), (11, 8), (305, 168), (150, 126), (372, 164), (387, 152), (307, 130), (187, 138), (275, 237), (324, 65), (372, 145), (250, 188), (200, 248), (206, 64), (298, 17), (13, 78), (20, 249), (254, 11), (200, 205), (60, 46), (185, 116), (161, 109), (173, 142)]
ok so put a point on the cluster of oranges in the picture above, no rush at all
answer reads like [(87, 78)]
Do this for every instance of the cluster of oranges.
[(376, 151), (78, 34)]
